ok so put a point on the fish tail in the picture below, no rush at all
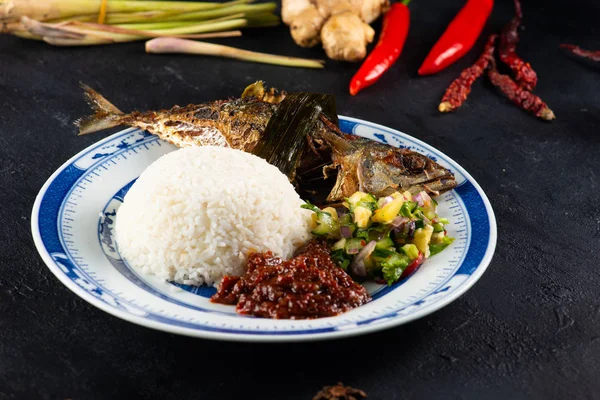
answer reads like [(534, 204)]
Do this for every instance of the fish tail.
[(105, 116)]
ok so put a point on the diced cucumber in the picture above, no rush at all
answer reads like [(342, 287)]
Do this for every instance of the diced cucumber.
[(384, 243), (326, 225), (436, 248), (354, 245), (363, 234), (410, 250), (340, 244), (439, 227), (407, 208)]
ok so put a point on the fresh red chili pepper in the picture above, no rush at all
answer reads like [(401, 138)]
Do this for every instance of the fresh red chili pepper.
[(521, 97), (459, 89), (525, 76), (394, 30), (592, 55), (459, 37)]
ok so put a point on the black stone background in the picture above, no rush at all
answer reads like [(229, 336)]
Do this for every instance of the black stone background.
[(529, 329)]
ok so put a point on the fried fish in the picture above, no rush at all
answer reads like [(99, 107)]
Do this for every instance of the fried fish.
[(360, 164)]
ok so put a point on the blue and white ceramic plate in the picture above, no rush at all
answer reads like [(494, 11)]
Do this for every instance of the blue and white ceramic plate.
[(73, 217)]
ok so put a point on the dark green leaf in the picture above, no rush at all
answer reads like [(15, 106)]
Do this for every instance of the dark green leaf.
[(285, 137)]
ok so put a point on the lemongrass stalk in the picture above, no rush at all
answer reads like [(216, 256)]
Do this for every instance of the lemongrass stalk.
[(18, 29), (47, 30), (115, 18), (124, 18), (232, 8), (210, 14), (76, 33), (79, 30), (26, 35), (53, 9), (122, 34), (159, 16), (82, 18), (262, 20), (87, 41), (176, 24), (154, 25), (190, 29), (182, 46), (203, 27), (91, 38), (12, 27)]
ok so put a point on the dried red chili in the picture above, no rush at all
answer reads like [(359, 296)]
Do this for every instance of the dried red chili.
[(459, 89), (592, 55), (394, 30), (339, 392), (523, 98), (459, 37), (524, 74)]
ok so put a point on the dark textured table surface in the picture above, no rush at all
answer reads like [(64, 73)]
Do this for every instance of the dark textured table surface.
[(530, 328)]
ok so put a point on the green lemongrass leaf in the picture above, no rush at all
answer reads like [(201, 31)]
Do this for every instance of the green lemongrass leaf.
[(247, 9), (137, 17), (286, 135), (176, 24), (141, 26), (82, 18), (115, 18)]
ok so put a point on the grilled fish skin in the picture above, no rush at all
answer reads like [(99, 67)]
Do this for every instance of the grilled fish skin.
[(371, 167), (237, 123), (361, 164)]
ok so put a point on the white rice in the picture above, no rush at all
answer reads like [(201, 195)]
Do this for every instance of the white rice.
[(195, 214)]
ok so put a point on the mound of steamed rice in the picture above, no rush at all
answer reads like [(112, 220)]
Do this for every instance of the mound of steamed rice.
[(195, 214)]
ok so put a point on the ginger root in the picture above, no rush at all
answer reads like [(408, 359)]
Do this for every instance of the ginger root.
[(341, 25), (345, 37)]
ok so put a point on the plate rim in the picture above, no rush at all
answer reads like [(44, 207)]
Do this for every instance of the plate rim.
[(249, 337)]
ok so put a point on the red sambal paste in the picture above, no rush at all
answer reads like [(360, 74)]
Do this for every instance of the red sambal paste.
[(310, 285)]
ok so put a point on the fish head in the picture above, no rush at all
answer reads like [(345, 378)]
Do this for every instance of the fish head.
[(381, 169)]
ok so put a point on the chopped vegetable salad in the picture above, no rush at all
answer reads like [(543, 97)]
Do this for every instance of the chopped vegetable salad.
[(383, 238)]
